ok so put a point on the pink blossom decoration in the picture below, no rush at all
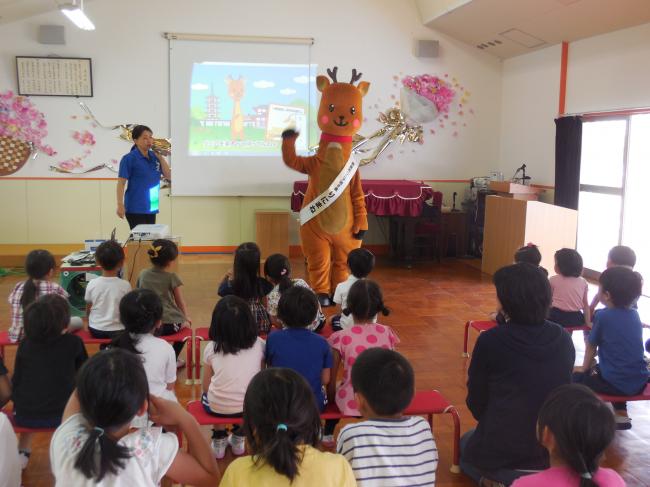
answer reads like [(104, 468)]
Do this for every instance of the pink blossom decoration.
[(70, 164), (20, 120), (84, 138), (432, 88)]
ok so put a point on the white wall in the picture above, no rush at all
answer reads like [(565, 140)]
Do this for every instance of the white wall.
[(531, 85), (130, 82), (606, 72)]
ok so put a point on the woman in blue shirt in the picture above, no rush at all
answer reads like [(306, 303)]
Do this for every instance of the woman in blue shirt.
[(142, 168)]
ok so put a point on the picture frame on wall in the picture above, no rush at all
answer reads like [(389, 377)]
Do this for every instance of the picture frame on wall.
[(54, 76)]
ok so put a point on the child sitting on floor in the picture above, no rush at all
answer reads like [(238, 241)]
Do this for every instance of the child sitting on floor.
[(231, 358), (245, 282), (47, 361), (103, 294), (141, 312), (277, 270), (296, 347), (576, 428), (570, 306), (619, 256), (39, 266), (93, 446), (364, 302), (618, 339), (282, 427), (387, 445), (167, 285), (361, 262)]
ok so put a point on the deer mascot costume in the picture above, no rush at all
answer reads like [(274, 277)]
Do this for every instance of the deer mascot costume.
[(333, 218)]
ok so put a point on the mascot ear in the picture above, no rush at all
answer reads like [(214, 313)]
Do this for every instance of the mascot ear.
[(322, 82), (363, 87)]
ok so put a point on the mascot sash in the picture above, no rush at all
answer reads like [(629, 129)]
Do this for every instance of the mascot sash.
[(332, 193)]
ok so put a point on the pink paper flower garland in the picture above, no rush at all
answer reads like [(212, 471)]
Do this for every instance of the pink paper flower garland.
[(20, 120)]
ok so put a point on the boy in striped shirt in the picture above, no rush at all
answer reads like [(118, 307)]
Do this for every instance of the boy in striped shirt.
[(387, 449)]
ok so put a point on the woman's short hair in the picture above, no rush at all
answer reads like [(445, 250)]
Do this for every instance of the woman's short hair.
[(138, 130), (524, 293)]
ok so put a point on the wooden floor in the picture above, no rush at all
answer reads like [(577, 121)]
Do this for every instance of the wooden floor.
[(429, 303)]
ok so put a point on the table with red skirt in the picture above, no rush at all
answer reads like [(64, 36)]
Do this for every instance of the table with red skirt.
[(401, 200)]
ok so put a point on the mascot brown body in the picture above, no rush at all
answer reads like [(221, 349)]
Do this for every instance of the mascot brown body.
[(329, 237)]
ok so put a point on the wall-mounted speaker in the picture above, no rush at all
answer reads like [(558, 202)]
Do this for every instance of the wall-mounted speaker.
[(51, 34), (424, 48)]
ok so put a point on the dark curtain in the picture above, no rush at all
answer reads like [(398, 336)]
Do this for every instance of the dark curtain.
[(568, 147)]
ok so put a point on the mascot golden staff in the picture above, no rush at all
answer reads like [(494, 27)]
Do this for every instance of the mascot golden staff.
[(333, 218)]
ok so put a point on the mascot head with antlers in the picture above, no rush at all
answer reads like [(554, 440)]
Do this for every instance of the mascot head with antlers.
[(340, 111)]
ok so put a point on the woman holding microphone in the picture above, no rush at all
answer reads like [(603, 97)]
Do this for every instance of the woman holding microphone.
[(141, 168)]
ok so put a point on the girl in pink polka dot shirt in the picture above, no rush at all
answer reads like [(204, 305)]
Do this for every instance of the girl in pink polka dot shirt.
[(364, 302)]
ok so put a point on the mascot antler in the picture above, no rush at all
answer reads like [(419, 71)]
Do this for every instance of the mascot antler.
[(332, 73), (355, 76)]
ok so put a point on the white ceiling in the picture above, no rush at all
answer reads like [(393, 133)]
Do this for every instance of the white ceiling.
[(516, 27), (12, 10)]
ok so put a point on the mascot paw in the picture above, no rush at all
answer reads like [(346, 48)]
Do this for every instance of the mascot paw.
[(325, 300), (290, 133), (359, 235)]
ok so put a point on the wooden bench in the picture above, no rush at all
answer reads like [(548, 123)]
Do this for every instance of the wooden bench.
[(644, 396), (482, 326), (184, 335), (425, 403), (20, 429)]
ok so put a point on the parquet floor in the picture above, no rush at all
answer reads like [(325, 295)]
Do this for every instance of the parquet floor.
[(429, 303)]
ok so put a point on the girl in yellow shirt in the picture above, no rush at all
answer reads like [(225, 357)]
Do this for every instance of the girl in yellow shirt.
[(282, 426)]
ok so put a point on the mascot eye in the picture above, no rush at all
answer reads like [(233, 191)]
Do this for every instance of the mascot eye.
[(331, 107), (353, 110)]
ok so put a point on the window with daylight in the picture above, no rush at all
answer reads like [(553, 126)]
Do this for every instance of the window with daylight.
[(614, 176)]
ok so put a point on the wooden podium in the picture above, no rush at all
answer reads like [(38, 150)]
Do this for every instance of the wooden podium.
[(272, 232), (515, 191), (511, 223)]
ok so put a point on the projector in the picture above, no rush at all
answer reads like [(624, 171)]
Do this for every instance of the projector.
[(150, 232)]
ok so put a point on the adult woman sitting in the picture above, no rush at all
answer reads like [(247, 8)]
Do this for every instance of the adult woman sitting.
[(514, 367)]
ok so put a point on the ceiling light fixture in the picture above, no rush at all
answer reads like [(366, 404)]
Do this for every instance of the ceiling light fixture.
[(75, 12)]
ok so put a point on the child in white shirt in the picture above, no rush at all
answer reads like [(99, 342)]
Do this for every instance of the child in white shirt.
[(93, 445), (231, 358), (103, 294), (387, 445), (360, 262), (141, 312), (9, 460)]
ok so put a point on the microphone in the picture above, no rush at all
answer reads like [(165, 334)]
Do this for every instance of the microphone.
[(521, 168)]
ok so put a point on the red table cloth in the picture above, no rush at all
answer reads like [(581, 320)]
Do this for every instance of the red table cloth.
[(384, 197)]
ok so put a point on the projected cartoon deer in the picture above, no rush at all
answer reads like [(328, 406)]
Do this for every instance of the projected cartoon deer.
[(236, 91), (328, 237)]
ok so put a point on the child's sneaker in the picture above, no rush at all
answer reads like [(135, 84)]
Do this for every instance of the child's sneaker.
[(623, 422), (237, 444), (219, 447), (328, 441), (23, 456)]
